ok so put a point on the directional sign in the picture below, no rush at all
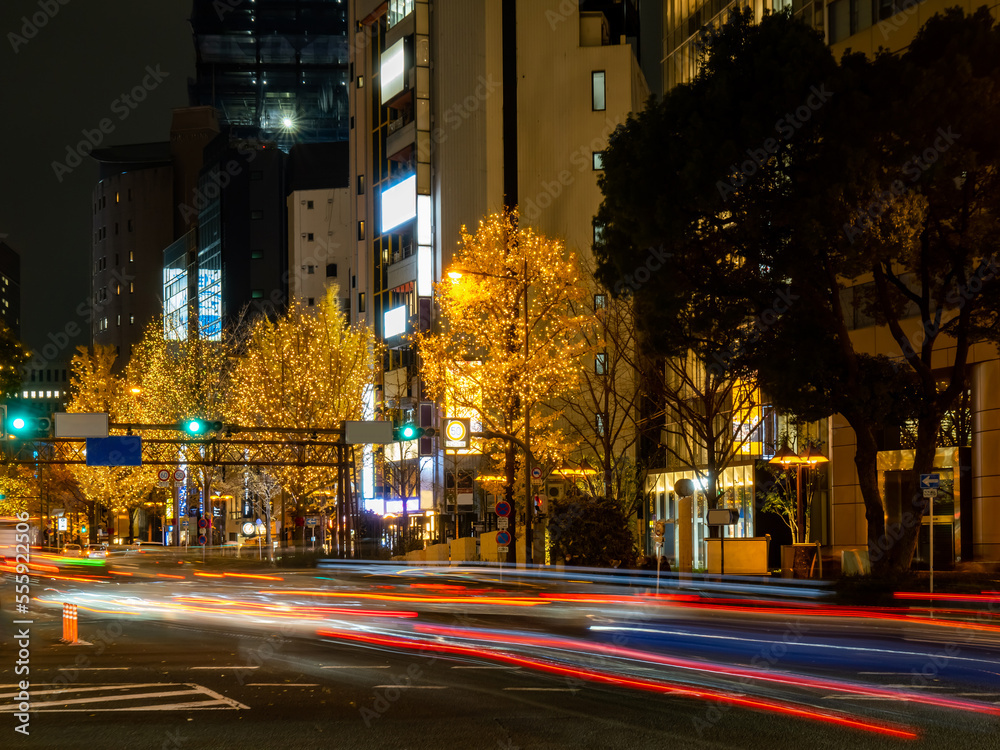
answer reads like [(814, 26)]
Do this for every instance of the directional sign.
[(503, 508), (124, 450), (930, 481), (503, 538)]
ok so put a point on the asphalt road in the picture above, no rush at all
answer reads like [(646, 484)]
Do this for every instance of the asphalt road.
[(154, 684)]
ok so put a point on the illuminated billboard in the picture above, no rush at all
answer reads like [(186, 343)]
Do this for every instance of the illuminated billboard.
[(392, 71), (399, 203)]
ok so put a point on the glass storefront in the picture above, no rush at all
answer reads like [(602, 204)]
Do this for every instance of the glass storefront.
[(736, 488)]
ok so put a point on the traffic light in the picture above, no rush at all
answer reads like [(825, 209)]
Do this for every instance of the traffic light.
[(412, 432), (21, 425), (199, 426)]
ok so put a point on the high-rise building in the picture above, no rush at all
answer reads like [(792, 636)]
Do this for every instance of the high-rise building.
[(133, 220), (460, 108), (320, 248), (10, 288), (274, 69)]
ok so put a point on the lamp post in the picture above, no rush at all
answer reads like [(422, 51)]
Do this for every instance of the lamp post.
[(809, 457)]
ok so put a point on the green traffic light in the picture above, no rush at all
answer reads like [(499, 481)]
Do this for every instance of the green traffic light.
[(17, 423), (409, 431), (194, 426)]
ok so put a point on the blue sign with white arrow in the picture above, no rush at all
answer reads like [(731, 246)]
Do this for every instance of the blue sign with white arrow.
[(930, 481)]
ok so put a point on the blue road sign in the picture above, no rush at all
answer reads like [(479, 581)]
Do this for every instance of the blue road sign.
[(115, 451), (202, 539), (503, 508), (930, 481), (503, 538)]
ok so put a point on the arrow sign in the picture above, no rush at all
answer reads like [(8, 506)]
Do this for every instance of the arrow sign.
[(503, 538), (503, 508), (930, 481)]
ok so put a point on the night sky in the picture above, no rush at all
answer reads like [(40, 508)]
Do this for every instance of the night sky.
[(65, 80)]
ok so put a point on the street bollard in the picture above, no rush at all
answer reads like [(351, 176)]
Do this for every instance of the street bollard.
[(70, 624)]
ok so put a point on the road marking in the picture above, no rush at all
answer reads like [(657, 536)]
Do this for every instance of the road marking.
[(282, 684), (347, 666), (414, 687), (212, 700), (88, 669), (544, 690), (229, 666)]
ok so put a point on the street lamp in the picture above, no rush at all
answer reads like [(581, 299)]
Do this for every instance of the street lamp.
[(809, 457), (455, 274)]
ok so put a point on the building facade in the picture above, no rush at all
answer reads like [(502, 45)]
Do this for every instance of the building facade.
[(133, 220), (274, 69), (10, 288), (460, 108)]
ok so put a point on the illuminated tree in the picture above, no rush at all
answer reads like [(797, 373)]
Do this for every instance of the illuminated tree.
[(306, 370), (95, 389), (491, 357), (172, 380)]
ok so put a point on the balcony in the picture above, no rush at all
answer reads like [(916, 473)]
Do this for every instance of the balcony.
[(403, 269), (402, 136)]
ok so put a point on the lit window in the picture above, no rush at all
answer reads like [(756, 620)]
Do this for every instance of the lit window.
[(131, 287), (48, 394), (256, 254), (600, 301), (361, 302), (361, 230), (131, 319), (131, 255), (361, 82), (597, 84), (34, 394), (257, 294), (599, 424), (598, 233), (598, 160), (601, 363), (25, 394)]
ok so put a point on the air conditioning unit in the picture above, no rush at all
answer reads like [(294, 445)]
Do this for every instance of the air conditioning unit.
[(556, 490)]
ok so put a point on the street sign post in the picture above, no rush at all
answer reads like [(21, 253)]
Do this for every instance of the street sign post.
[(503, 538), (503, 522), (503, 508), (930, 483)]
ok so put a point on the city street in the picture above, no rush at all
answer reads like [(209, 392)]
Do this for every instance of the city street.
[(425, 674)]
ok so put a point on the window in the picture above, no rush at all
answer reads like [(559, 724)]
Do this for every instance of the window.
[(600, 301), (354, 282), (597, 92), (131, 255), (130, 225), (258, 214), (601, 363), (361, 230), (116, 229), (311, 301), (361, 184), (309, 205), (309, 236), (256, 254), (131, 320), (361, 302), (598, 233), (130, 193), (598, 160), (257, 294), (310, 270), (599, 424), (331, 270), (131, 287), (118, 322), (361, 82)]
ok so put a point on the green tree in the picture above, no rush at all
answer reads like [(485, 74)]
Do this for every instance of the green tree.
[(786, 192), (591, 531)]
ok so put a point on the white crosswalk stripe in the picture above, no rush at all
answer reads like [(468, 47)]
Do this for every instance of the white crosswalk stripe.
[(111, 697)]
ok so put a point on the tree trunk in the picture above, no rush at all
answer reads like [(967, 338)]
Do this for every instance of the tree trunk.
[(913, 511), (866, 462)]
